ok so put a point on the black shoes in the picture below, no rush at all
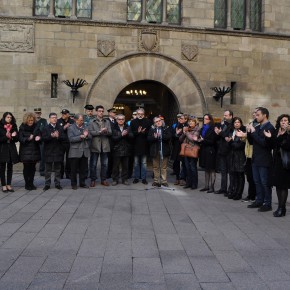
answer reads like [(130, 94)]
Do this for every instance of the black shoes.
[(58, 187), (187, 186), (144, 181), (265, 208), (135, 180), (211, 190), (254, 205), (281, 211), (84, 186), (204, 189), (165, 184), (47, 187), (156, 184), (220, 191), (74, 187)]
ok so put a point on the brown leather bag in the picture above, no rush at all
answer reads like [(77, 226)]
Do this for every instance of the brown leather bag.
[(188, 150)]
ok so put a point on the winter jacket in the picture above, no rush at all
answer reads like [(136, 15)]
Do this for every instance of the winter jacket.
[(122, 145)]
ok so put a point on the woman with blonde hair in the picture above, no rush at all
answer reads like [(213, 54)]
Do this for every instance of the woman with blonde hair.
[(29, 152), (190, 136)]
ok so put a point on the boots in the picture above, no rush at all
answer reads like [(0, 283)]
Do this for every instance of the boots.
[(206, 182), (212, 182), (282, 195)]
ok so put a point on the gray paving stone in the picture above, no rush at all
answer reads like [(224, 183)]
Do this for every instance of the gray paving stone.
[(245, 281), (217, 286), (8, 229), (69, 242), (117, 265), (93, 247), (19, 240), (44, 214), (8, 257), (21, 273), (182, 281), (20, 217), (40, 247), (33, 226), (207, 269), (149, 286), (195, 246), (144, 248), (231, 261), (281, 285), (51, 230), (48, 281), (218, 242), (58, 262), (167, 242), (147, 270), (175, 262), (85, 272)]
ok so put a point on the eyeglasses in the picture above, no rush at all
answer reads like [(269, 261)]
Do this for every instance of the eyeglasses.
[(120, 119)]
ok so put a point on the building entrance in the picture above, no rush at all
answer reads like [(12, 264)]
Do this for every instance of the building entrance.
[(154, 97)]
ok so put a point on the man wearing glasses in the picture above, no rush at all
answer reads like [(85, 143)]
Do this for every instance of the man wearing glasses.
[(121, 138), (140, 128), (100, 129), (159, 137)]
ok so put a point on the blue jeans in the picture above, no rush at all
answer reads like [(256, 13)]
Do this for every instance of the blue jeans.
[(191, 171), (261, 177), (93, 165), (140, 161)]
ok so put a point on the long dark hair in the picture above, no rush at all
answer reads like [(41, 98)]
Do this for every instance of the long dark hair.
[(13, 120), (242, 128), (211, 123), (280, 118)]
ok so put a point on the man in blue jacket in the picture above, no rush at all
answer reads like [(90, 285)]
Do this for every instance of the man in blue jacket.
[(261, 160)]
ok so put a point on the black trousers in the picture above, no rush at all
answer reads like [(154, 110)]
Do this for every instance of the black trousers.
[(29, 169), (123, 161), (65, 165), (78, 165), (224, 166), (249, 174), (238, 183), (3, 166), (110, 165)]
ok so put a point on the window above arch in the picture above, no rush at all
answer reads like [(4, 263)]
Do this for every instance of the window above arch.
[(154, 11), (63, 8), (238, 14)]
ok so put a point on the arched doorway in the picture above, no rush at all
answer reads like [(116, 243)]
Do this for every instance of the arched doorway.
[(153, 96), (136, 67)]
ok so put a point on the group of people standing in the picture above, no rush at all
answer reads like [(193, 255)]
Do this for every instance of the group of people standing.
[(236, 151), (71, 147)]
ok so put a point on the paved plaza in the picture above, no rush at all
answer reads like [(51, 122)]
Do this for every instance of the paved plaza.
[(135, 237)]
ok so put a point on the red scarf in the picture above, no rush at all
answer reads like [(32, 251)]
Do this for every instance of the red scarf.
[(8, 128)]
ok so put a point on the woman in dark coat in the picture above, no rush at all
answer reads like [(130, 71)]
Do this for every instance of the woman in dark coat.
[(8, 151), (207, 156), (29, 152), (280, 176), (237, 159)]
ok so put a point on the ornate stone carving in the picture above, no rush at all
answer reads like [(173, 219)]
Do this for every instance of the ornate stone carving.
[(16, 37), (149, 40), (106, 48), (189, 52)]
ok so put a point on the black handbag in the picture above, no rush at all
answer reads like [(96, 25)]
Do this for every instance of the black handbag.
[(285, 156)]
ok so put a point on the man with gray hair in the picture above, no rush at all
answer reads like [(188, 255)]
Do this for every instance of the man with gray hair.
[(79, 152), (140, 128)]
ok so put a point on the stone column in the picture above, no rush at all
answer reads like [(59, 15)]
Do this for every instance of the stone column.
[(51, 10), (164, 12), (229, 8), (74, 10), (143, 11), (248, 10)]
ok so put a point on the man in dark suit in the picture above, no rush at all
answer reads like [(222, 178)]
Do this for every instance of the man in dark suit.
[(112, 118), (261, 160), (53, 136)]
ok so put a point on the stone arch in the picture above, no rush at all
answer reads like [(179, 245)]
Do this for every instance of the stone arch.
[(143, 66)]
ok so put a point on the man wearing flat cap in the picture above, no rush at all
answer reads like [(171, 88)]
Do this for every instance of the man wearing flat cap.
[(89, 115), (41, 123), (112, 115), (65, 121)]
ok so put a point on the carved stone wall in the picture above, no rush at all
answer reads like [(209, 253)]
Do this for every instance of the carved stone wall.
[(16, 37), (106, 48)]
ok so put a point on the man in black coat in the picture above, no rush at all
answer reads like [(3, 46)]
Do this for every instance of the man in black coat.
[(140, 128), (159, 137), (261, 160), (53, 137), (223, 156), (65, 121), (121, 139)]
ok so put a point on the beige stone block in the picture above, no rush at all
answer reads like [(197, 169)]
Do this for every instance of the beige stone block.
[(72, 43), (75, 29), (178, 35), (44, 34), (48, 27), (63, 35)]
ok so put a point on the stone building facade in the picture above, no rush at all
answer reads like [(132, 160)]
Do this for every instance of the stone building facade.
[(112, 53)]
